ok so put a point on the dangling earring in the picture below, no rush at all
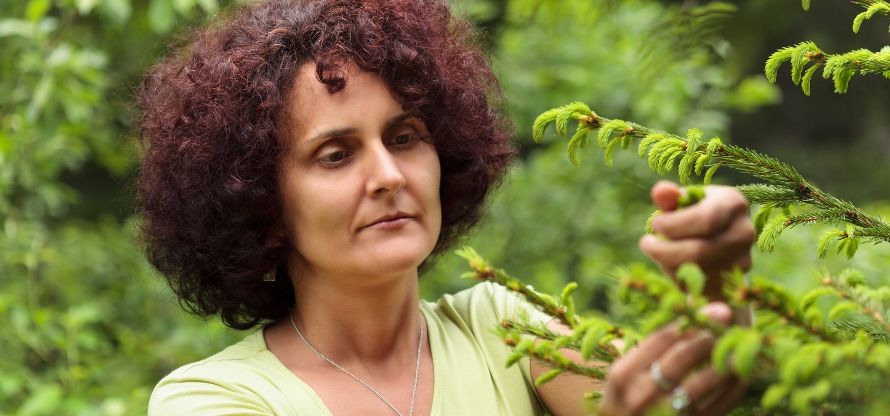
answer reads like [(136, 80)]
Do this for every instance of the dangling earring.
[(270, 276)]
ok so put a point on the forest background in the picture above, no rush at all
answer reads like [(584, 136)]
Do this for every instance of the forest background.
[(87, 327)]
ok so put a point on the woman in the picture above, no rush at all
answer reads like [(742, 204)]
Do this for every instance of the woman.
[(304, 160)]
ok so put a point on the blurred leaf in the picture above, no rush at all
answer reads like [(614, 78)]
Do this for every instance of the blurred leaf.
[(44, 401), (10, 27), (754, 92), (161, 16), (86, 6), (36, 9), (117, 10)]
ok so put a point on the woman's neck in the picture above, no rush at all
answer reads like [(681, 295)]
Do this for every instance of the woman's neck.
[(351, 319)]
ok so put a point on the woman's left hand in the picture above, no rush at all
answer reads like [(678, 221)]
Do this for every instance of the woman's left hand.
[(665, 367), (715, 233)]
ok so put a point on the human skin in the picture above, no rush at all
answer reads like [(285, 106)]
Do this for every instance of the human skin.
[(351, 158), (356, 286), (715, 233)]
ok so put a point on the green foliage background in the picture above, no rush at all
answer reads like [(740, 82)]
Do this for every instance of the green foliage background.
[(86, 326)]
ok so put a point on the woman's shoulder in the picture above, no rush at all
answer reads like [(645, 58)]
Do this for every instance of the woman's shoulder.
[(490, 302), (463, 324), (234, 380), (235, 358)]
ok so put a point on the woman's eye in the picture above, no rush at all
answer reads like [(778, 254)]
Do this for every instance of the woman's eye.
[(334, 158), (404, 140)]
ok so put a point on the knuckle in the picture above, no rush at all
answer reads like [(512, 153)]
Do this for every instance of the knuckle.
[(619, 373), (711, 221), (705, 343), (699, 252), (738, 202)]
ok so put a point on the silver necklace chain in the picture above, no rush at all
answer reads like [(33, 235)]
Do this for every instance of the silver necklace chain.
[(364, 383)]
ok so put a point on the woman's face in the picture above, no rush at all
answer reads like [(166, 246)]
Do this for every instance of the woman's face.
[(360, 182)]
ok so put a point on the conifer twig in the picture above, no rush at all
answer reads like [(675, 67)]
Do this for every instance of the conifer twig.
[(805, 366), (881, 6), (785, 185), (846, 287), (546, 303), (602, 351), (806, 58), (546, 350), (765, 296)]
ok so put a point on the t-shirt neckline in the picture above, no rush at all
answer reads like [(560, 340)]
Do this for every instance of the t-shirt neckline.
[(439, 372)]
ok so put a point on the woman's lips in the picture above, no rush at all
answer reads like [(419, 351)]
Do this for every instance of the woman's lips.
[(390, 224)]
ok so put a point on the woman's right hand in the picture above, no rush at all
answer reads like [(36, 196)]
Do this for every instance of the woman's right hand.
[(665, 366)]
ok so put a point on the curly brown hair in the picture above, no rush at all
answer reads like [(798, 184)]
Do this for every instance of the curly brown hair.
[(207, 189)]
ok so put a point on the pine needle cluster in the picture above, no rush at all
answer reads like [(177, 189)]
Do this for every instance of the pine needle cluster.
[(688, 30), (825, 353), (786, 198), (806, 58)]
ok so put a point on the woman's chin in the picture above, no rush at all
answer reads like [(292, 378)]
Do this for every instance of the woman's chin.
[(392, 259)]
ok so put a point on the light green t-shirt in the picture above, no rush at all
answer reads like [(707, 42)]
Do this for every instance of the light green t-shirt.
[(468, 358)]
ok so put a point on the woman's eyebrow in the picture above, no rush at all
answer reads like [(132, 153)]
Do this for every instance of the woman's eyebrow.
[(339, 132)]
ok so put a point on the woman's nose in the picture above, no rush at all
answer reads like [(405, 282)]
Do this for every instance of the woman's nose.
[(385, 175)]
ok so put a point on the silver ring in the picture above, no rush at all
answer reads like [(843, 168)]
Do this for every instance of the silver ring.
[(662, 381), (680, 401)]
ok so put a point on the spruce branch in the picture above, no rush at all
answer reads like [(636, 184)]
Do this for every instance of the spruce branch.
[(849, 285), (593, 338), (765, 295), (871, 8), (839, 67), (785, 186), (850, 326), (827, 377), (684, 31), (663, 299), (793, 359), (547, 351), (564, 311)]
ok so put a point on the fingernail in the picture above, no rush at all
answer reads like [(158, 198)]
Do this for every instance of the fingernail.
[(648, 240), (718, 311)]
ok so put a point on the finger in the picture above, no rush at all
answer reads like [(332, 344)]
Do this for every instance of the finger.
[(705, 253), (706, 383), (634, 370), (665, 195), (720, 207), (671, 254), (629, 373), (725, 400), (678, 361), (718, 312), (685, 355), (733, 247), (640, 358), (739, 236)]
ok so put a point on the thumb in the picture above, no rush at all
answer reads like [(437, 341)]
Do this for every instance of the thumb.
[(718, 311), (665, 195)]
